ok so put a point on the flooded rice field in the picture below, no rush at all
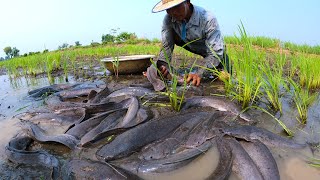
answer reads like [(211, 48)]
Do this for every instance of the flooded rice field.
[(148, 142)]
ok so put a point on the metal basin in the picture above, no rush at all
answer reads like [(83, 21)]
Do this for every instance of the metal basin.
[(128, 64)]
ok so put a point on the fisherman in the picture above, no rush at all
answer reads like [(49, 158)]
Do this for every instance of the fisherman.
[(196, 30)]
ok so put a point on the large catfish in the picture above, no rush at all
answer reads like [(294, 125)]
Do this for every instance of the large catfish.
[(219, 103), (139, 136)]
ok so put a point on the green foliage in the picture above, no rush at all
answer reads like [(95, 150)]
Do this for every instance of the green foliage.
[(260, 41), (265, 42), (245, 87), (302, 98), (120, 38), (33, 53), (94, 44), (108, 38), (63, 46), (115, 65), (77, 43), (15, 52), (272, 80), (11, 52), (176, 98), (124, 36), (302, 48), (8, 50)]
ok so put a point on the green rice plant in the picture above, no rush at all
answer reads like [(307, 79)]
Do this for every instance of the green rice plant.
[(265, 42), (65, 70), (50, 78), (271, 86), (12, 70), (73, 63), (176, 98), (272, 80), (302, 98), (244, 84), (302, 48), (115, 65), (230, 39), (50, 66), (171, 92), (246, 78), (294, 67), (309, 71)]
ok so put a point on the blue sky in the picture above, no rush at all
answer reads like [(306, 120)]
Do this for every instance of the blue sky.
[(35, 25)]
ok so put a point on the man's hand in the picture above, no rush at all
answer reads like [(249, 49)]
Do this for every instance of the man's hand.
[(165, 73), (195, 78)]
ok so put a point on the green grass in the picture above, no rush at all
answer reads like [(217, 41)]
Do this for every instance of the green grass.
[(266, 42), (261, 41), (244, 84), (309, 71), (176, 98), (302, 98), (272, 80), (115, 65)]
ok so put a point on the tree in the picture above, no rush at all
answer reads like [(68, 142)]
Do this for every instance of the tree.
[(94, 44), (11, 52), (107, 38), (63, 46), (15, 52), (77, 43), (8, 51), (122, 37)]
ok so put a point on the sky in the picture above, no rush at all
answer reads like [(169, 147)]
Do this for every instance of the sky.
[(35, 25)]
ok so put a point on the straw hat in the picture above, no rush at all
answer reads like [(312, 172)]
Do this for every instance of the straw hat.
[(166, 4)]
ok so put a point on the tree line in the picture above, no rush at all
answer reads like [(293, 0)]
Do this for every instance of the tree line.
[(112, 37)]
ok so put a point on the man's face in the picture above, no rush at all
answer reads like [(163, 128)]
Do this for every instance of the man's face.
[(179, 12)]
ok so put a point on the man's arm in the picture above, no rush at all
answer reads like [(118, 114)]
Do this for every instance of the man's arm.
[(214, 42), (165, 55), (167, 40)]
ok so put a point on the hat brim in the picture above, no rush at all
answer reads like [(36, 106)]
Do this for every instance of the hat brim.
[(161, 7)]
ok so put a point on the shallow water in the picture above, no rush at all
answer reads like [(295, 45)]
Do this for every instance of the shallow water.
[(291, 166), (291, 163), (200, 168)]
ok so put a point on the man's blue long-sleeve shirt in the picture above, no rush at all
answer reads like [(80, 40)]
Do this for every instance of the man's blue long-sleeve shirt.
[(201, 27)]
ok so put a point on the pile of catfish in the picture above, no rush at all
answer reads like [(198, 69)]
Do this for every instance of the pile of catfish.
[(87, 131)]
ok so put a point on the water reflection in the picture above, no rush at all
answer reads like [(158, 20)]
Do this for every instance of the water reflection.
[(22, 82)]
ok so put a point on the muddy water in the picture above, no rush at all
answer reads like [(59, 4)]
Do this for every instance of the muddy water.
[(200, 168), (291, 166), (13, 101), (291, 163)]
